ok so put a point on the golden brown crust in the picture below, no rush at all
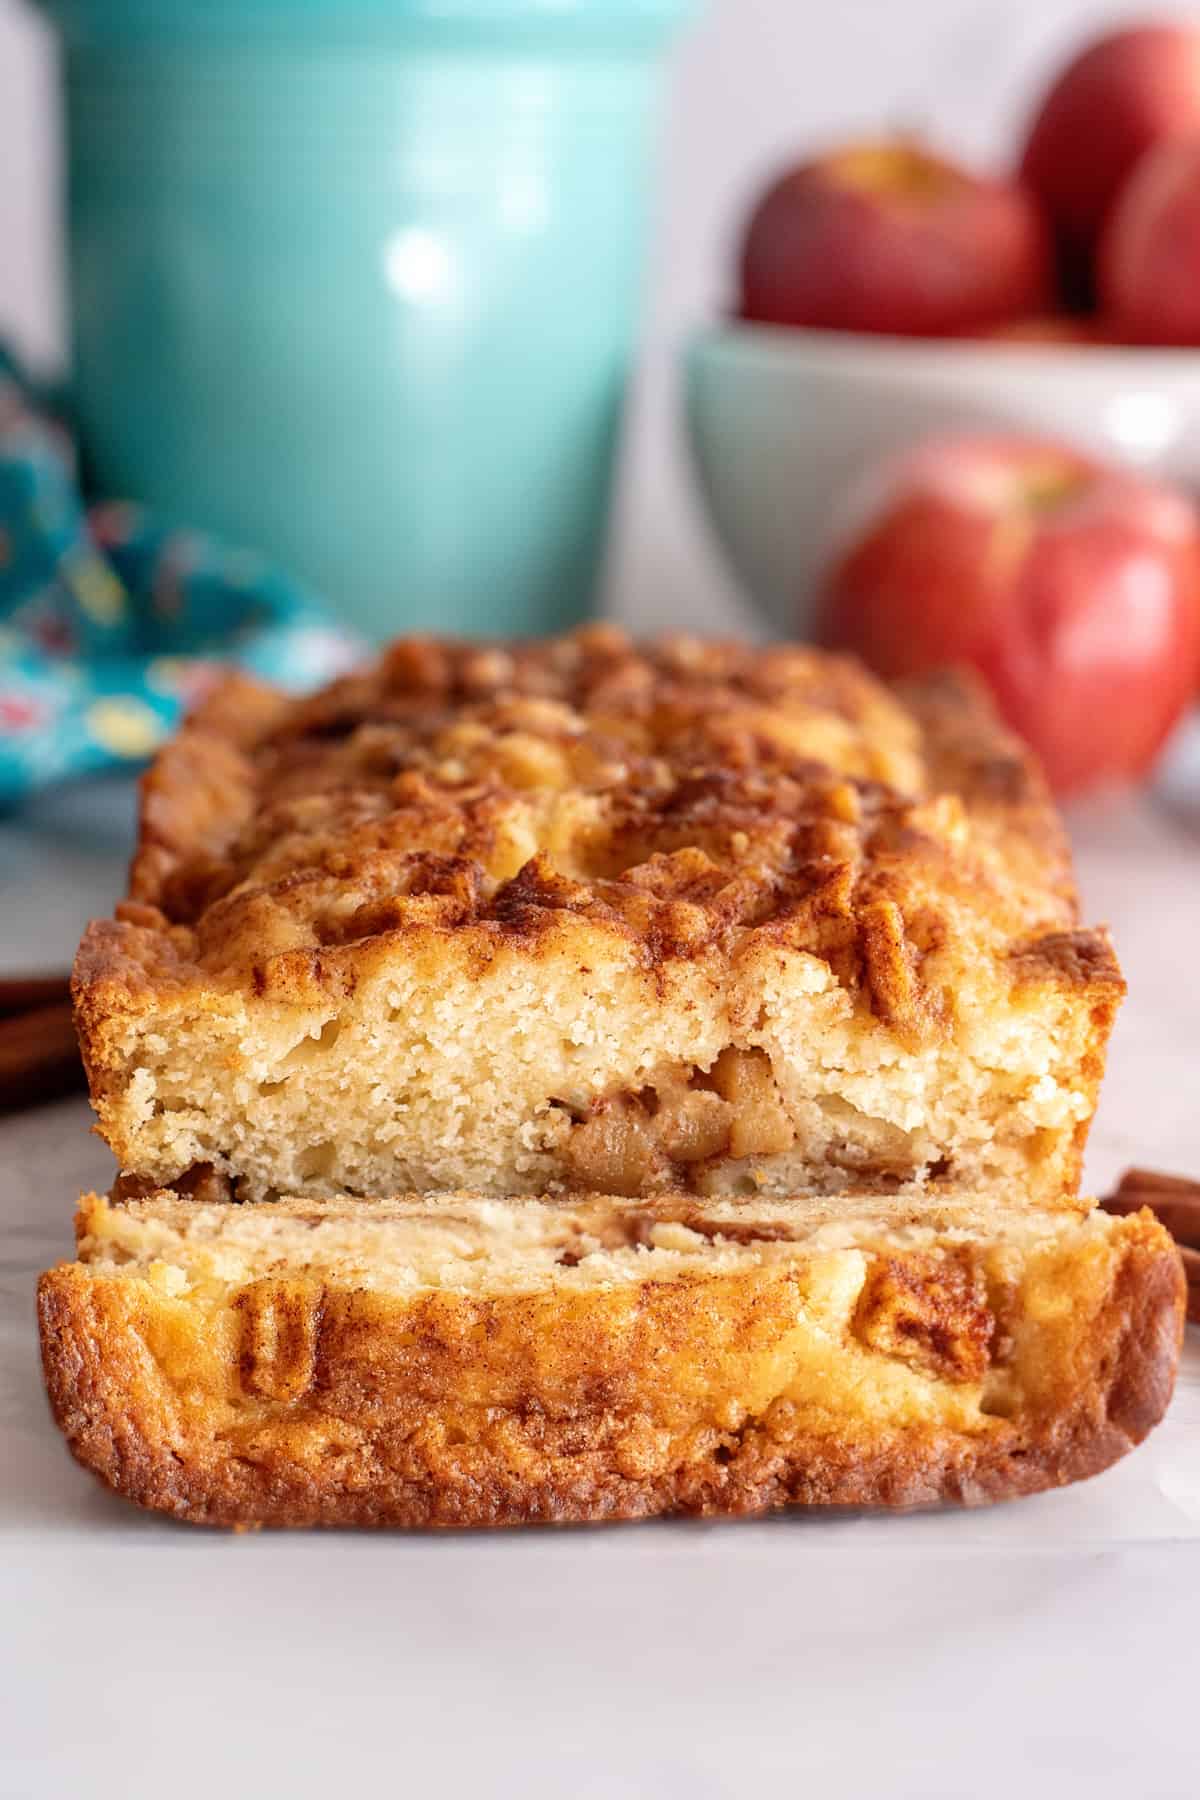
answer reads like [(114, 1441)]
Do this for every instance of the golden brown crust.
[(300, 1401), (681, 828), (418, 789)]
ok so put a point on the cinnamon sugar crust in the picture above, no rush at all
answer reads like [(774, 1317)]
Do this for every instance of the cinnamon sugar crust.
[(587, 914)]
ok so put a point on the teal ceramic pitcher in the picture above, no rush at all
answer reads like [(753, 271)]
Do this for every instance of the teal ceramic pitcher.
[(354, 282)]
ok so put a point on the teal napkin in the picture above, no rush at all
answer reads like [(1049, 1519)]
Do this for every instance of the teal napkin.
[(111, 626)]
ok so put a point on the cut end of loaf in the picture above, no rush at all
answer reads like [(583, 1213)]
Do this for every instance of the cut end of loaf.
[(591, 913)]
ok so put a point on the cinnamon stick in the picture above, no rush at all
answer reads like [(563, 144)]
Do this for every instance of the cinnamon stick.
[(1175, 1202), (22, 993), (39, 1056)]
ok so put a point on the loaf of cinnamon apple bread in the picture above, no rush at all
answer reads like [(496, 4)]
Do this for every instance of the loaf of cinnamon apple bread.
[(584, 915)]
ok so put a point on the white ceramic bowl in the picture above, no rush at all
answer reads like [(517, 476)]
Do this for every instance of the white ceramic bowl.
[(784, 424)]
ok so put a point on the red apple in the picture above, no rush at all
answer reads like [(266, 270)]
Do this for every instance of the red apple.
[(889, 237), (1122, 94), (1047, 328), (1149, 262), (1073, 588)]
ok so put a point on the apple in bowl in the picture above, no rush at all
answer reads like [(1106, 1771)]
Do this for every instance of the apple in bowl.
[(888, 237), (1121, 95), (1054, 329), (1072, 587), (1149, 258)]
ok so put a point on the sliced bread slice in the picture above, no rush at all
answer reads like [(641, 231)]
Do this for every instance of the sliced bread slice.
[(463, 1361)]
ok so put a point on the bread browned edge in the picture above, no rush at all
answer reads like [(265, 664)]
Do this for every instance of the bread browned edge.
[(113, 1405)]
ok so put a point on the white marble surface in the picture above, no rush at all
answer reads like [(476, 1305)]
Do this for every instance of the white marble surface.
[(1049, 1644)]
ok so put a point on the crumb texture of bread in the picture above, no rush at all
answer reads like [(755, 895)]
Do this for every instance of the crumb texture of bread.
[(463, 1362), (588, 915)]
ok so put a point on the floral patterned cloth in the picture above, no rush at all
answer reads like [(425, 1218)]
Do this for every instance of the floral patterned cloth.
[(111, 626)]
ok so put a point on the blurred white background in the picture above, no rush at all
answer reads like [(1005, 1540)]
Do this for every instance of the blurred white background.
[(754, 81)]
